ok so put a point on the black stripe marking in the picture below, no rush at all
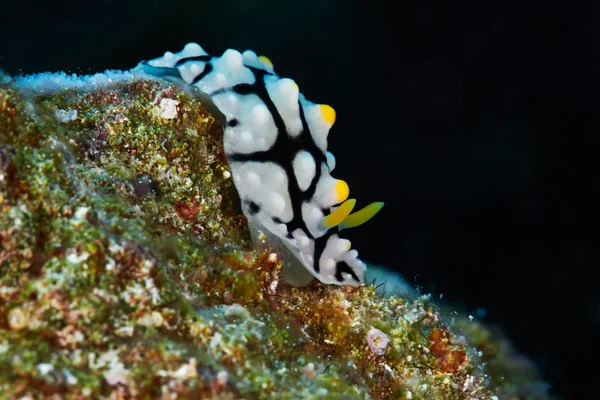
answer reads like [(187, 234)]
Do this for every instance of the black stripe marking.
[(320, 244), (282, 153), (253, 208), (342, 266), (207, 70), (285, 148), (204, 58)]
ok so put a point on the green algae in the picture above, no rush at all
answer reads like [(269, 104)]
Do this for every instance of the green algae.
[(127, 272)]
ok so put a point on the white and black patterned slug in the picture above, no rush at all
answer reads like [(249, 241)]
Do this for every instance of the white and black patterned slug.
[(276, 144)]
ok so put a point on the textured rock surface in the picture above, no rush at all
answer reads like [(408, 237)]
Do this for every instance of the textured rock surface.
[(126, 271)]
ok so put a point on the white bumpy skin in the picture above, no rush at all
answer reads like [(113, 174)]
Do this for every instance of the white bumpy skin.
[(276, 144)]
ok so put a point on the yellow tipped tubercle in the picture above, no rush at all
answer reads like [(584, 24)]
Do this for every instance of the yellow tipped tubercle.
[(328, 114), (266, 60), (341, 190), (338, 215), (361, 216)]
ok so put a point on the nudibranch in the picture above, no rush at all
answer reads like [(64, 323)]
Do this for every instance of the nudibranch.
[(276, 145)]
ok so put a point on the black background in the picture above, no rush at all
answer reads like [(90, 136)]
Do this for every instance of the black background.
[(475, 123)]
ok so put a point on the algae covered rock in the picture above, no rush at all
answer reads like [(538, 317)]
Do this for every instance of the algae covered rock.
[(126, 271)]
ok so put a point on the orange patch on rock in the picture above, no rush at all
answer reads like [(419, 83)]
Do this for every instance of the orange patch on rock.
[(187, 211), (451, 357)]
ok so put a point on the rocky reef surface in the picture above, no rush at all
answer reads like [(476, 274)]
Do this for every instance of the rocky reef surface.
[(126, 271)]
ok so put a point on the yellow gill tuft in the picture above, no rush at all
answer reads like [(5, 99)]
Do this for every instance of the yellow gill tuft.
[(361, 216), (338, 215)]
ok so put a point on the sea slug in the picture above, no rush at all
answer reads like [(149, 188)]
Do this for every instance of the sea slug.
[(276, 144)]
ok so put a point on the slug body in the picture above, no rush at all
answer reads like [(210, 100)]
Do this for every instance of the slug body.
[(276, 144)]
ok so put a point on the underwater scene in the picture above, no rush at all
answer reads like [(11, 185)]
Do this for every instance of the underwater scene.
[(318, 199)]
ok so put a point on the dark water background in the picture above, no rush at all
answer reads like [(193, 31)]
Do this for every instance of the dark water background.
[(476, 124)]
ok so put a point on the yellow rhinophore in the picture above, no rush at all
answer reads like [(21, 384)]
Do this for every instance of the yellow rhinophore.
[(338, 215), (328, 113), (341, 190), (361, 216), (266, 60)]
